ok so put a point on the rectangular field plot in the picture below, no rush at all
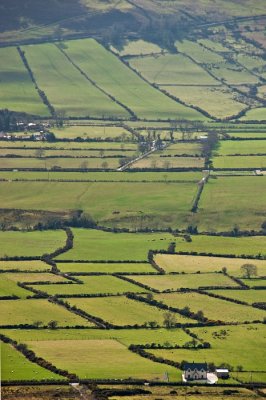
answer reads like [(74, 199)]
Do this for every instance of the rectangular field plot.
[(227, 201), (218, 101), (229, 350), (247, 134), (241, 162), (255, 114), (57, 163), (30, 243), (214, 309), (120, 204), (14, 366), (138, 47), (17, 92), (103, 176), (192, 264), (91, 285), (99, 245), (171, 69), (248, 296), (122, 311), (123, 84), (192, 281), (35, 265), (92, 132), (155, 161), (231, 147), (255, 282), (99, 359), (70, 154), (182, 148), (10, 288), (106, 268), (16, 312), (33, 277), (124, 336), (223, 245), (65, 87)]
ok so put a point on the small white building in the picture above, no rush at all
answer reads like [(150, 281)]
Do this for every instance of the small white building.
[(222, 373)]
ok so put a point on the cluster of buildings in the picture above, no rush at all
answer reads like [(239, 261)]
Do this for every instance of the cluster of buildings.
[(199, 372)]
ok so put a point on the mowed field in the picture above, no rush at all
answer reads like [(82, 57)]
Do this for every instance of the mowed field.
[(106, 268), (248, 296), (123, 311), (214, 309), (203, 264), (91, 285), (193, 281), (16, 312), (35, 265), (17, 92), (100, 359)]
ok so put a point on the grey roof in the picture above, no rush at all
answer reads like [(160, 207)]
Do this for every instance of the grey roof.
[(194, 366)]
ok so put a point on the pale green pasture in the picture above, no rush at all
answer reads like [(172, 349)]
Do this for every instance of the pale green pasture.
[(171, 69), (214, 309), (16, 312), (192, 264), (34, 243), (68, 90), (91, 285), (17, 92), (122, 311), (127, 87), (106, 268), (192, 281)]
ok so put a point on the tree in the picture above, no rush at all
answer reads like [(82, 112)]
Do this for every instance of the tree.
[(105, 165), (52, 324), (248, 270), (169, 320)]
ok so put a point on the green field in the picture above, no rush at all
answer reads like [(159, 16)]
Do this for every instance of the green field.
[(16, 312), (92, 132), (230, 201), (91, 285), (255, 114), (57, 163), (124, 336), (155, 161), (70, 154), (17, 91), (24, 265), (214, 309), (33, 277), (99, 359), (218, 101), (230, 147), (107, 268), (65, 87), (249, 296), (14, 366), (10, 288), (223, 245), (34, 243), (99, 245), (140, 204), (192, 264), (241, 162), (138, 47), (171, 69), (122, 311), (103, 176), (123, 84), (255, 282), (70, 145), (192, 281), (229, 350)]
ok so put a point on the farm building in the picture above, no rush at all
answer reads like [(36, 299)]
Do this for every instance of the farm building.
[(222, 373)]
